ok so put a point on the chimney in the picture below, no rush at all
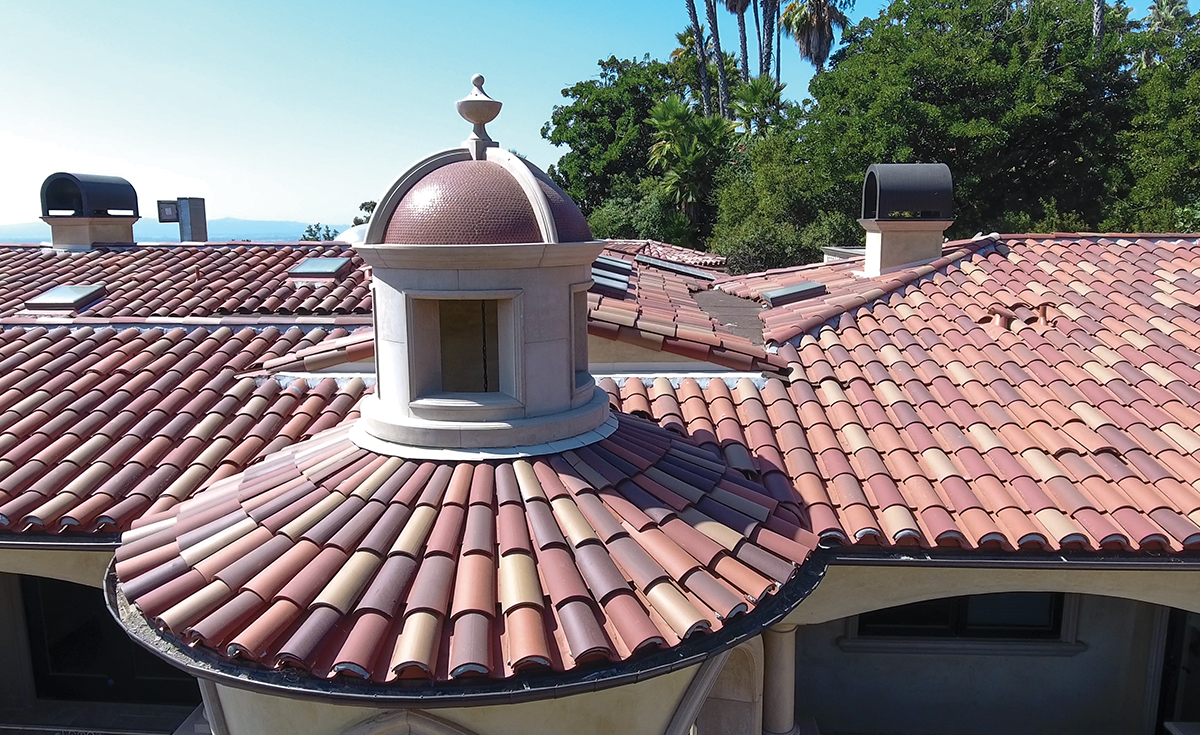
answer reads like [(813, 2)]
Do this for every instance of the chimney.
[(906, 208), (83, 210), (189, 213)]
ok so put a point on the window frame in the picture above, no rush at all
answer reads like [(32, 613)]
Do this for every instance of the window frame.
[(579, 341), (1067, 642), (426, 399)]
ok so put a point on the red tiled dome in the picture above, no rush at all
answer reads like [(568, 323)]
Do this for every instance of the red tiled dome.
[(480, 203)]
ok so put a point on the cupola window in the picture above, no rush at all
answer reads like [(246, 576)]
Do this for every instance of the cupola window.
[(470, 340)]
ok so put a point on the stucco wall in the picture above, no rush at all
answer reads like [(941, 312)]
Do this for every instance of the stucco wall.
[(80, 567), (1101, 690), (644, 709)]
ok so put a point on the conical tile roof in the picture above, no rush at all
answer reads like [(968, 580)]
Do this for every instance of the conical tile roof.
[(331, 562)]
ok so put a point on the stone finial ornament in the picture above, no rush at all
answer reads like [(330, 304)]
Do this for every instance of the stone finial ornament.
[(479, 110)]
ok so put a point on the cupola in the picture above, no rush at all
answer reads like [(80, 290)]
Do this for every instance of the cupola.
[(481, 266)]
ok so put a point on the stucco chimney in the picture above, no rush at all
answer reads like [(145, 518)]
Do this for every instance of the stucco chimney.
[(906, 208)]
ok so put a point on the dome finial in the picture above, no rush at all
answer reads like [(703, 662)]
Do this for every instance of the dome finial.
[(479, 110)]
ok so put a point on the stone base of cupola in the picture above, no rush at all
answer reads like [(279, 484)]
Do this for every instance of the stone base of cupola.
[(421, 438)]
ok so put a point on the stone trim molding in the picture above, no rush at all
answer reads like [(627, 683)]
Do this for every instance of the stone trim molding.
[(406, 722), (697, 692)]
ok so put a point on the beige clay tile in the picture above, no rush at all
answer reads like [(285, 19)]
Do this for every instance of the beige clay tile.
[(309, 518), (196, 605), (412, 537), (519, 581), (345, 587), (418, 641), (572, 522), (670, 603)]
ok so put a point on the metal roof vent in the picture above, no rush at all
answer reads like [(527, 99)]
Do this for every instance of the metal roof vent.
[(314, 269), (83, 209), (189, 213), (905, 209), (68, 297)]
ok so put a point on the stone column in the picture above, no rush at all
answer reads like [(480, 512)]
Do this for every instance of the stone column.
[(779, 680)]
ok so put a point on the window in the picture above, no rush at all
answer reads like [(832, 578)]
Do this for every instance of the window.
[(68, 297), (1018, 615), (80, 653), (469, 331), (320, 268), (1006, 623), (579, 316)]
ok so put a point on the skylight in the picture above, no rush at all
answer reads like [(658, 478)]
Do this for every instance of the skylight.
[(66, 298), (320, 268), (793, 293)]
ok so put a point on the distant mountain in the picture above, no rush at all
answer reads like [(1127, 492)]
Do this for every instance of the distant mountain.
[(150, 230)]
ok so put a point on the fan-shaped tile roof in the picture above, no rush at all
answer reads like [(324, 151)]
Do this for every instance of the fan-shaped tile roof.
[(332, 561)]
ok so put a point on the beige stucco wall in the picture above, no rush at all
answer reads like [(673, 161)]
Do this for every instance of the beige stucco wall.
[(848, 590), (643, 709), (80, 567)]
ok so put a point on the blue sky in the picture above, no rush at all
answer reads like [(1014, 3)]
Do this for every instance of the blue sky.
[(297, 110)]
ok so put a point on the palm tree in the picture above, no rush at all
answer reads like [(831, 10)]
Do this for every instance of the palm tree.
[(813, 23), (738, 8), (688, 149), (1098, 22), (1162, 22), (701, 55), (778, 41), (758, 105), (710, 7), (1165, 15), (769, 10)]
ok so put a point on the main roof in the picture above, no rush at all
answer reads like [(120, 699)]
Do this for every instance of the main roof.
[(1023, 393)]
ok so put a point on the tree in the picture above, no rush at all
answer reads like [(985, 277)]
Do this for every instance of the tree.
[(1014, 98), (770, 9), (758, 106), (813, 24), (318, 233), (738, 8), (367, 208), (702, 55), (604, 126), (688, 149), (1163, 139), (773, 207), (710, 7)]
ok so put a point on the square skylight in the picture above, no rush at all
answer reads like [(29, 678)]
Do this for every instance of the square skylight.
[(320, 268), (68, 297)]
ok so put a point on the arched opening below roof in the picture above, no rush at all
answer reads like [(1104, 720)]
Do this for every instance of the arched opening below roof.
[(734, 705)]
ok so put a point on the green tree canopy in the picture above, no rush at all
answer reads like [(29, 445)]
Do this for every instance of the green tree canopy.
[(605, 127), (1012, 96)]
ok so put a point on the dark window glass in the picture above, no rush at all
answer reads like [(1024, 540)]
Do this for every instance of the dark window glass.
[(470, 350), (1003, 615), (80, 653)]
